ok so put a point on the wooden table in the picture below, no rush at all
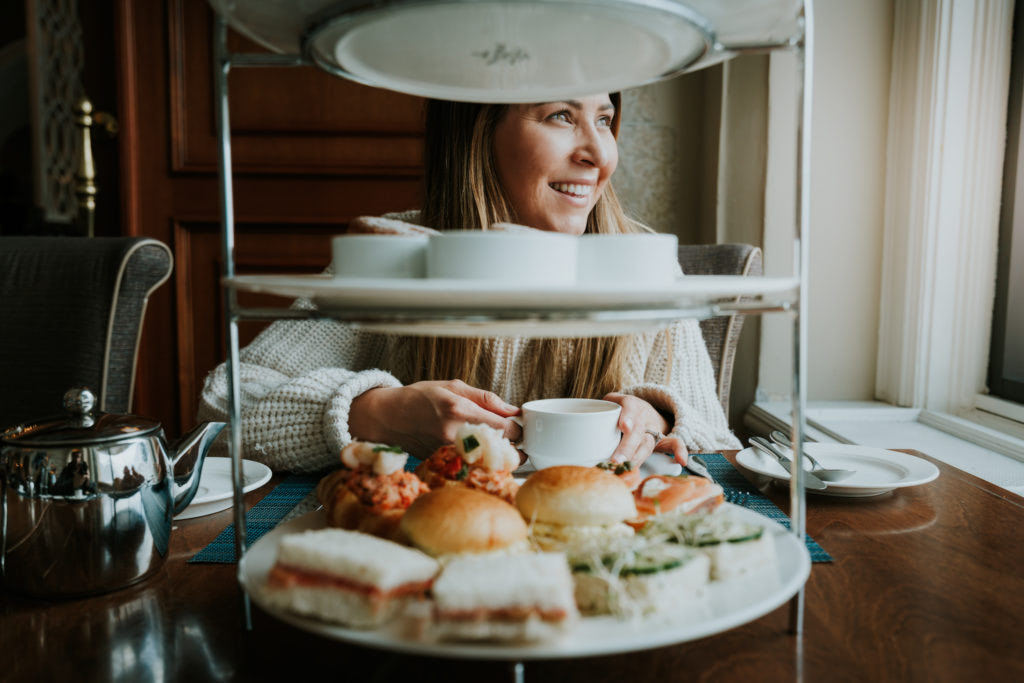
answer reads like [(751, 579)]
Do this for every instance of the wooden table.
[(927, 585)]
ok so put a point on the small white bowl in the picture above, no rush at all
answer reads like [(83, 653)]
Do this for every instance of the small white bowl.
[(380, 256), (641, 258), (540, 258)]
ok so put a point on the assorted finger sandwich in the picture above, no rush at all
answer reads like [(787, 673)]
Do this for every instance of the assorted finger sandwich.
[(489, 559)]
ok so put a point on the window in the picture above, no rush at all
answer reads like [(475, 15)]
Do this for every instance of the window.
[(1006, 357)]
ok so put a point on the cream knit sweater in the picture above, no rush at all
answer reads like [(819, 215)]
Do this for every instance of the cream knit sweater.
[(298, 380)]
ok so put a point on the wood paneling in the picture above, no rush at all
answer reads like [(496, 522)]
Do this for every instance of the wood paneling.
[(284, 120), (259, 249), (310, 152)]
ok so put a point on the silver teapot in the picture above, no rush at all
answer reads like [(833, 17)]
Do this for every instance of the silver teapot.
[(86, 500)]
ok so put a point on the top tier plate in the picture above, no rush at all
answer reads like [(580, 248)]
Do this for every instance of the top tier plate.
[(513, 51)]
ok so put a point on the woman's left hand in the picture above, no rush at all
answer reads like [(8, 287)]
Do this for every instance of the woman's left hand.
[(643, 432)]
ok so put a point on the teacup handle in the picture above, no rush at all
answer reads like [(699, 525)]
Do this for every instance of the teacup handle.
[(519, 421)]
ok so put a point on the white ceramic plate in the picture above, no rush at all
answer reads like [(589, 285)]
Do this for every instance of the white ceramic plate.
[(728, 604), (877, 470), (215, 488), (436, 293)]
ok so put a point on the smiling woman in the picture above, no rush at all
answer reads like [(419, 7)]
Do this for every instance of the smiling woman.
[(314, 386)]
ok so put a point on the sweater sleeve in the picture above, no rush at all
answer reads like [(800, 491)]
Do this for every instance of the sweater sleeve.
[(297, 383), (679, 381)]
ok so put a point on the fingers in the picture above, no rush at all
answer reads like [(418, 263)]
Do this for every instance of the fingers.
[(636, 444), (485, 399), (459, 403), (674, 447)]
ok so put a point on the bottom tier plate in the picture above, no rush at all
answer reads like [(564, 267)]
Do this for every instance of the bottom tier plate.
[(727, 605)]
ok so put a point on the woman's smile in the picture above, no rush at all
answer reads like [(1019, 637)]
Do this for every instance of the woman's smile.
[(577, 191)]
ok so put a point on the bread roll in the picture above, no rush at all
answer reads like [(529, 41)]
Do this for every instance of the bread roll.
[(455, 519), (344, 511), (325, 488), (572, 495)]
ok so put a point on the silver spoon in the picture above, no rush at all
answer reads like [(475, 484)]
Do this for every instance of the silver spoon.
[(772, 449), (816, 467)]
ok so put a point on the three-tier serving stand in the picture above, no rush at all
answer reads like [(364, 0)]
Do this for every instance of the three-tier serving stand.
[(793, 33)]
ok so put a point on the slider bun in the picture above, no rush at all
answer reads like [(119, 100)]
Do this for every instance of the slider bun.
[(456, 519), (326, 487), (344, 511), (577, 496)]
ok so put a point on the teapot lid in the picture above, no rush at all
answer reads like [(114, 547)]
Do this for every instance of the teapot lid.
[(80, 426)]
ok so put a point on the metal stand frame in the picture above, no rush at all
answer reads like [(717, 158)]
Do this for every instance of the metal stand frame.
[(222, 63)]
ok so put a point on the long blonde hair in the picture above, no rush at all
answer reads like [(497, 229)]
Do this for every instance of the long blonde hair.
[(462, 192)]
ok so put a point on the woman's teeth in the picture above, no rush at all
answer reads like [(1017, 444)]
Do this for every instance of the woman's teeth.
[(574, 190)]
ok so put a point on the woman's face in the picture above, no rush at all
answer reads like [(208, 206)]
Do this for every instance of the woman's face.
[(554, 160)]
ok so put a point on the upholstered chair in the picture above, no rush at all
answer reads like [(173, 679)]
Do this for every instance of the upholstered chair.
[(71, 313), (722, 333)]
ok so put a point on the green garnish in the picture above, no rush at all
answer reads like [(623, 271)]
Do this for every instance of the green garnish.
[(470, 443), (462, 473), (388, 449), (643, 563), (616, 467)]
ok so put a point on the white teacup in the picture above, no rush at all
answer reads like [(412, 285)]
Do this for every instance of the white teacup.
[(532, 258), (380, 256), (569, 431), (639, 259)]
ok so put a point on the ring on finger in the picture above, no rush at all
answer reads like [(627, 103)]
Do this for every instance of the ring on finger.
[(658, 436)]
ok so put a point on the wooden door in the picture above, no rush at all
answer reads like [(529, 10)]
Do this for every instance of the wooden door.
[(310, 152)]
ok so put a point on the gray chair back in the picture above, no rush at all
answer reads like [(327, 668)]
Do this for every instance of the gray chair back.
[(72, 311), (721, 334)]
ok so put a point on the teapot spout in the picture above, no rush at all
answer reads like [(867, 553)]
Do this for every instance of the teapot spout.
[(186, 461)]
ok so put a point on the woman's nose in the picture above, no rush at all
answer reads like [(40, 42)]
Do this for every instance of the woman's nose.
[(592, 148)]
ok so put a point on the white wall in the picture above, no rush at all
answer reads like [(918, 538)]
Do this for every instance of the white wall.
[(848, 146)]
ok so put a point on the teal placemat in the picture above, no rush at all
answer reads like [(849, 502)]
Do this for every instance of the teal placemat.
[(741, 492), (267, 513), (261, 518)]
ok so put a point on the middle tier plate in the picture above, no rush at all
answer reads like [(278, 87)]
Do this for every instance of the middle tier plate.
[(428, 294)]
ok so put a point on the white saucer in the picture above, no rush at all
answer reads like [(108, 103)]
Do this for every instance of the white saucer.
[(215, 487), (877, 470)]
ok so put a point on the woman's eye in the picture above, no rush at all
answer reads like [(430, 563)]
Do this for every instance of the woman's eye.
[(605, 121), (560, 116)]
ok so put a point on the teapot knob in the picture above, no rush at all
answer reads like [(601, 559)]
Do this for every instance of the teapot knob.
[(79, 401)]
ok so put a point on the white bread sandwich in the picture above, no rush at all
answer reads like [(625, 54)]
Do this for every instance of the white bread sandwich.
[(347, 577), (575, 509), (641, 576), (455, 520), (481, 458), (371, 491), (525, 597), (733, 546)]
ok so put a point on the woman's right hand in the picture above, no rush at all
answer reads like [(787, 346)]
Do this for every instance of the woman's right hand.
[(423, 416)]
